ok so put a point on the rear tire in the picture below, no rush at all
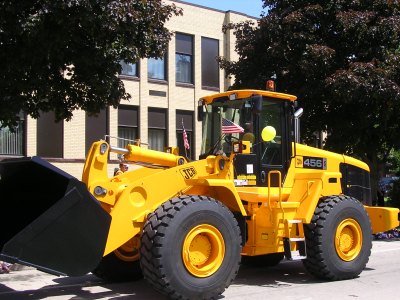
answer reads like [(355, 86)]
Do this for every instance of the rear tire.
[(338, 239), (190, 248), (122, 264)]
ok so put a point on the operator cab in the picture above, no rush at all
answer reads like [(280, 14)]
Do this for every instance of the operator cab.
[(257, 125)]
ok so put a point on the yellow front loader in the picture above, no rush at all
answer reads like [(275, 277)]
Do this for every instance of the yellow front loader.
[(256, 196)]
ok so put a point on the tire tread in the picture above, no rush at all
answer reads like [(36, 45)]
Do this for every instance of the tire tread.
[(151, 246), (316, 262)]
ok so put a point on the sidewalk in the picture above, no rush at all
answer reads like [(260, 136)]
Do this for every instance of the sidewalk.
[(7, 268)]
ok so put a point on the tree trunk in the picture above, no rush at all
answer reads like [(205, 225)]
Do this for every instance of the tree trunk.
[(372, 161)]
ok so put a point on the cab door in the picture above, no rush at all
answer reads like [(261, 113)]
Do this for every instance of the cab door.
[(273, 155)]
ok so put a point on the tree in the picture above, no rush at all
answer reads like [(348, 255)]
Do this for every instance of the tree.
[(64, 55), (342, 60), (394, 169)]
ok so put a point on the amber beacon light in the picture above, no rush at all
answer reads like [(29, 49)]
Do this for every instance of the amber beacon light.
[(270, 85)]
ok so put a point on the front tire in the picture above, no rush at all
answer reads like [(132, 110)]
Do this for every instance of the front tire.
[(338, 239), (190, 248)]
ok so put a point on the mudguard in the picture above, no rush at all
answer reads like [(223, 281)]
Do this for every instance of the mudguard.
[(53, 223)]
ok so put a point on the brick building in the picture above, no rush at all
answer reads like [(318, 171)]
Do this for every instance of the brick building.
[(164, 93)]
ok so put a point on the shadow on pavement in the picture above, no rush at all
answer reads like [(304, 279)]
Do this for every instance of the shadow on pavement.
[(91, 288)]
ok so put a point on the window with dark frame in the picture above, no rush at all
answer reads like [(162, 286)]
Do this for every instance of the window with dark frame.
[(12, 142), (96, 128), (209, 63), (50, 136), (184, 58), (129, 69), (128, 121), (157, 68), (184, 120), (157, 128)]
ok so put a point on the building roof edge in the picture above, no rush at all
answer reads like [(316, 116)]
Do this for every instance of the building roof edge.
[(215, 9)]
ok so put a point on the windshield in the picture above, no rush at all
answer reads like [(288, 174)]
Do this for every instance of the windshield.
[(224, 122)]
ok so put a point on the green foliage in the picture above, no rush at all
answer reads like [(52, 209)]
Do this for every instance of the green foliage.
[(393, 187), (64, 55), (342, 60), (394, 163)]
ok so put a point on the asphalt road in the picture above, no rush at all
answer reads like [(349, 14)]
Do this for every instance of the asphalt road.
[(287, 281)]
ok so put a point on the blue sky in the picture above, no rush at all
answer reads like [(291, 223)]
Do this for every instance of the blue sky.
[(250, 7)]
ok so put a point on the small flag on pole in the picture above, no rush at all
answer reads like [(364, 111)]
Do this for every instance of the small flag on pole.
[(230, 127), (185, 138)]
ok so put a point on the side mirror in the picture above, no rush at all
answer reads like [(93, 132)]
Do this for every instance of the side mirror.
[(297, 114), (268, 133), (257, 103)]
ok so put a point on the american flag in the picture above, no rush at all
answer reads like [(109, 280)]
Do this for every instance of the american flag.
[(185, 138), (230, 127)]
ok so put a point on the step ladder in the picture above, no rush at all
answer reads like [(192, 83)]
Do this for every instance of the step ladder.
[(294, 233)]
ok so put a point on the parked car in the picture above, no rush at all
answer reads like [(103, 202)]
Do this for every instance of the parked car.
[(386, 183)]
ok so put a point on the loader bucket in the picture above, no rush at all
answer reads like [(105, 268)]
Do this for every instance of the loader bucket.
[(50, 221)]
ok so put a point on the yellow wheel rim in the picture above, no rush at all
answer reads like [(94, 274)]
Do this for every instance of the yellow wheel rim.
[(130, 250), (203, 250), (348, 239)]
